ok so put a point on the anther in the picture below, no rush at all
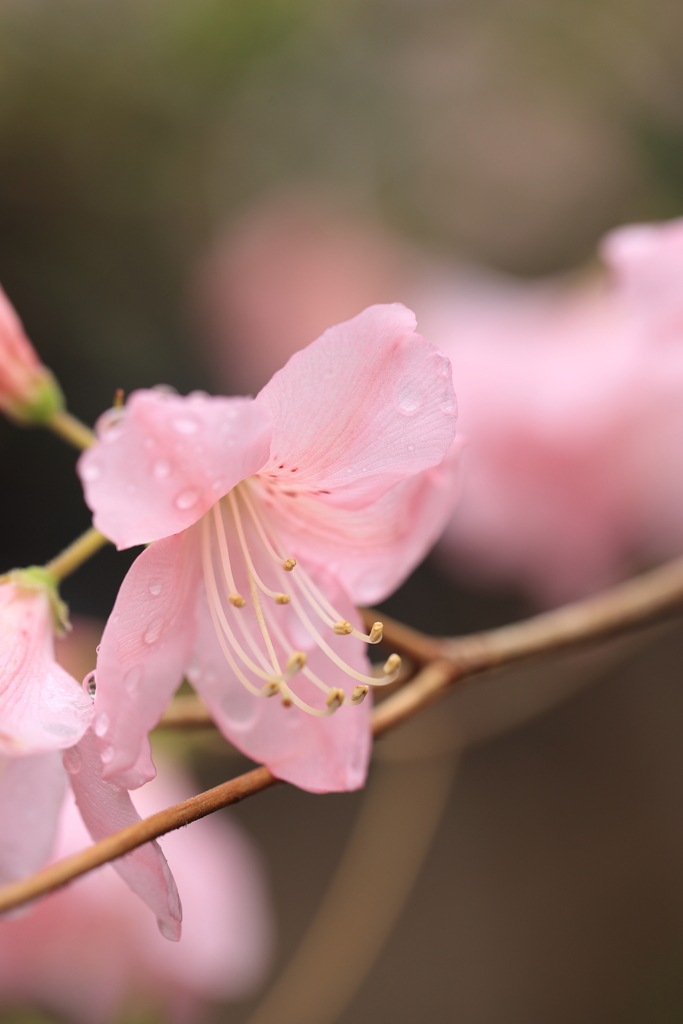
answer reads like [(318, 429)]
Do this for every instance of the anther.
[(236, 600), (289, 564), (392, 664), (342, 628), (376, 632), (295, 662), (282, 599), (270, 689), (359, 694), (119, 398), (335, 698), (286, 702)]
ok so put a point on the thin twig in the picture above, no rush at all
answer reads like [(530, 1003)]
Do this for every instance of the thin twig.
[(71, 429), (83, 548), (634, 604)]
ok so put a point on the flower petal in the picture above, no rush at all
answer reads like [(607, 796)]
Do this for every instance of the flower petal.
[(371, 550), (363, 407), (318, 754), (164, 460), (105, 809), (41, 706), (144, 651), (31, 794)]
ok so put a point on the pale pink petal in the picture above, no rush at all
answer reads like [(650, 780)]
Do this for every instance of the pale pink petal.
[(365, 406), (144, 651), (105, 809), (31, 793), (318, 754), (371, 550), (41, 706), (165, 459)]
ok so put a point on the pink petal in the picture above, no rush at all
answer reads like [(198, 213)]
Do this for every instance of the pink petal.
[(365, 406), (164, 460), (144, 651), (371, 550), (105, 809), (31, 794), (41, 706), (318, 754)]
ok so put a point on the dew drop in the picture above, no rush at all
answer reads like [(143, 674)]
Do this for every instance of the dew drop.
[(101, 723), (185, 425), (161, 469), (91, 472), (187, 499), (72, 761), (90, 684), (106, 754), (409, 398), (155, 588), (132, 678), (153, 631), (97, 649)]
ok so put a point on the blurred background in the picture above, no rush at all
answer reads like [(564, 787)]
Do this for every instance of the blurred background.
[(191, 191)]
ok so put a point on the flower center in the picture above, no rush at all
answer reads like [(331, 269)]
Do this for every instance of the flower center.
[(246, 569)]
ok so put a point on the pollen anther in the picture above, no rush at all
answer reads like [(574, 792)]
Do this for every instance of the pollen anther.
[(359, 694), (270, 689), (282, 599), (392, 664), (334, 698), (376, 632), (295, 662), (289, 564), (342, 628), (236, 600)]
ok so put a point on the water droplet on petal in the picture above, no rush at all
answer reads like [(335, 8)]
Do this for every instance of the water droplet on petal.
[(185, 425), (72, 761), (90, 683), (101, 723), (106, 755), (97, 649), (132, 678), (409, 398), (187, 499), (153, 631), (91, 472), (155, 588), (161, 469)]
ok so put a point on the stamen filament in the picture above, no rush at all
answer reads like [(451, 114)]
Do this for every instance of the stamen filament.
[(251, 571)]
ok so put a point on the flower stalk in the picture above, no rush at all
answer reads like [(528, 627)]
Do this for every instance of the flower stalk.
[(70, 429), (83, 548)]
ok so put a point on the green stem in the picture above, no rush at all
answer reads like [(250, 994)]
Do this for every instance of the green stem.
[(80, 551), (71, 429)]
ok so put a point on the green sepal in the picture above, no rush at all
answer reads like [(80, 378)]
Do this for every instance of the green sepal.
[(46, 400), (37, 577)]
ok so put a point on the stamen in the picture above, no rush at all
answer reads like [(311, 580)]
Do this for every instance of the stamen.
[(289, 564), (335, 698), (295, 662), (251, 571), (225, 558), (376, 632), (282, 599), (392, 665), (236, 600), (342, 628), (359, 694)]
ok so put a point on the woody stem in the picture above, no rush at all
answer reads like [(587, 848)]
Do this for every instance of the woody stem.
[(70, 429), (76, 554)]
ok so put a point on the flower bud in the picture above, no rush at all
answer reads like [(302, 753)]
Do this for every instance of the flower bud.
[(29, 394)]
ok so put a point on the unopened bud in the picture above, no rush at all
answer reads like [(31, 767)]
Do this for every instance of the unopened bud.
[(29, 394)]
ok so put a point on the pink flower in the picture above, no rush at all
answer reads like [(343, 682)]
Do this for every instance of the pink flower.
[(28, 391), (44, 712), (271, 518), (89, 950), (571, 397)]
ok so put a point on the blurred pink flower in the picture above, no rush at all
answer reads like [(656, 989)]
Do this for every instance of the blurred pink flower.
[(28, 391), (89, 951), (571, 397), (43, 711), (332, 489)]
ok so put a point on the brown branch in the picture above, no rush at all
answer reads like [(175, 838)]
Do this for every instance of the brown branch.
[(634, 604)]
